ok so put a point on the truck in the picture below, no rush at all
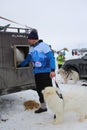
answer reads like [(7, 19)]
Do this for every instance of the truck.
[(13, 78)]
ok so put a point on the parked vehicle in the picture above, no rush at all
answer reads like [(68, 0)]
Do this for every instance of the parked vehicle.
[(79, 51), (79, 65), (12, 78)]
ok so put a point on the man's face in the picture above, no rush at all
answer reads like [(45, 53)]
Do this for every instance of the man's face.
[(31, 42)]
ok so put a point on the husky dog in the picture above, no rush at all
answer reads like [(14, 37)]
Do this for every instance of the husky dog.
[(67, 75), (71, 100)]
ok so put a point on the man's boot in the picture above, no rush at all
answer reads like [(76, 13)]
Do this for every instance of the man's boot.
[(42, 108)]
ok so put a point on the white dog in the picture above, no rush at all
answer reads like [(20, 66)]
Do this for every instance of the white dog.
[(71, 100), (54, 101), (19, 56), (67, 75)]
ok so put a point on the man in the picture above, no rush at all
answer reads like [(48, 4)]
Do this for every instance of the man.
[(43, 64), (60, 60)]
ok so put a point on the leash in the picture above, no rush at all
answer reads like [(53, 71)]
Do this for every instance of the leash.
[(54, 79), (15, 22), (59, 94)]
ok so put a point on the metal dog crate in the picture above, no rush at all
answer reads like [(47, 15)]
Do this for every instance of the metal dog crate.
[(12, 78)]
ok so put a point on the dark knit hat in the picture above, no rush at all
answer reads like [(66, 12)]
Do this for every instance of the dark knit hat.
[(33, 35)]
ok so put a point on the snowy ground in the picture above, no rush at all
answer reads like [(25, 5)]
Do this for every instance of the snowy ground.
[(13, 115)]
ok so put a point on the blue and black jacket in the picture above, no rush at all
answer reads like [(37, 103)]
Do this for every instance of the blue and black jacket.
[(42, 58)]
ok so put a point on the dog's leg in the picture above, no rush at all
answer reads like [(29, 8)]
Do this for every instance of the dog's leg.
[(54, 116), (58, 119), (75, 81), (82, 117), (65, 81), (85, 116)]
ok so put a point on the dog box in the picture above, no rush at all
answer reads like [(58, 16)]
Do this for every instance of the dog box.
[(13, 78)]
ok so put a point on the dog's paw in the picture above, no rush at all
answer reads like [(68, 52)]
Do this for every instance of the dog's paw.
[(85, 116), (81, 119), (56, 122)]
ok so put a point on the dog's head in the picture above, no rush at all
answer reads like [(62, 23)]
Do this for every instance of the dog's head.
[(48, 92)]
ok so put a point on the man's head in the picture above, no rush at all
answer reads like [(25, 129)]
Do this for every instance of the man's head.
[(33, 37)]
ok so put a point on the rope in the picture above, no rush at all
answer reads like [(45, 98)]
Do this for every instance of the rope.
[(15, 22)]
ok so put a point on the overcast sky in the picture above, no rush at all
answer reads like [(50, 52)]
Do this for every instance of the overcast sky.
[(60, 23)]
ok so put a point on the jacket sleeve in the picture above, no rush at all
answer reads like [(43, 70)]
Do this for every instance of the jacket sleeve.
[(52, 60), (26, 61)]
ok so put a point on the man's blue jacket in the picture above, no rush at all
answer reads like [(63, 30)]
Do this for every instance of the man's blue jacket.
[(42, 58)]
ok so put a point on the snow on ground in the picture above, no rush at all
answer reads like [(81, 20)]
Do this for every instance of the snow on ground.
[(13, 115)]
